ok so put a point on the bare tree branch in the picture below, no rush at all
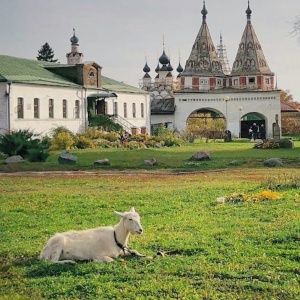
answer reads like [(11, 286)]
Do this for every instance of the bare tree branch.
[(296, 28)]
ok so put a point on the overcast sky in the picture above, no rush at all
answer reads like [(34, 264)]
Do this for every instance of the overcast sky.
[(117, 33)]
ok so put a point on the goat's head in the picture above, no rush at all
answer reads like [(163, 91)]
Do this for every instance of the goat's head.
[(132, 221)]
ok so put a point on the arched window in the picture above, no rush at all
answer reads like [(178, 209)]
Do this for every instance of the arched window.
[(36, 108), (76, 112), (20, 108), (142, 110), (133, 110), (51, 108), (64, 108), (125, 110)]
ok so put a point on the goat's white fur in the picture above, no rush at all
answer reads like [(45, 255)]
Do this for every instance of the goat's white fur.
[(97, 244)]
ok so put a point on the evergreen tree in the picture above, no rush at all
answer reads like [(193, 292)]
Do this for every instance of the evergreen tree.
[(46, 53)]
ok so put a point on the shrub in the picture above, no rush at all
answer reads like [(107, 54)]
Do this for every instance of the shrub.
[(62, 141), (24, 143), (92, 133), (61, 129), (82, 142), (132, 145), (104, 123), (102, 143)]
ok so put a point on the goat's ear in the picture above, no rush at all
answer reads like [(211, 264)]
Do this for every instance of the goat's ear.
[(132, 209), (119, 214)]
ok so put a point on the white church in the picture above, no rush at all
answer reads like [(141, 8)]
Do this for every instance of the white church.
[(241, 95)]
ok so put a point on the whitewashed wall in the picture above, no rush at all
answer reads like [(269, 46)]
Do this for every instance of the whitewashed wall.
[(3, 108), (129, 99), (43, 125), (267, 104)]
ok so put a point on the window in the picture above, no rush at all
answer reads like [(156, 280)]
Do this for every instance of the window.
[(115, 108), (125, 110), (77, 115), (51, 108), (36, 108), (142, 110), (235, 82), (20, 108), (133, 110), (64, 108), (252, 80), (267, 81)]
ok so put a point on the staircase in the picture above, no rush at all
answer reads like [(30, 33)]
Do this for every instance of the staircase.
[(123, 122)]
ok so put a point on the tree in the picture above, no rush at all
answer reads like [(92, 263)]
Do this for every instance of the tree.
[(296, 28), (46, 53), (287, 97)]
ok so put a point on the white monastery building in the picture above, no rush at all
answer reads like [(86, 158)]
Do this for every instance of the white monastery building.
[(242, 95), (41, 96)]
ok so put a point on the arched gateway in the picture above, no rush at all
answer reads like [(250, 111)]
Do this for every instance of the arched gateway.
[(245, 94)]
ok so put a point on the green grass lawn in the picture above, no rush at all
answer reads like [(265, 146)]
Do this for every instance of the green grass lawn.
[(175, 158), (226, 251)]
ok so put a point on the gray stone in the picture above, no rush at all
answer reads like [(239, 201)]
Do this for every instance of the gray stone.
[(234, 163), (14, 159), (202, 155), (102, 162), (273, 162), (150, 162), (66, 158)]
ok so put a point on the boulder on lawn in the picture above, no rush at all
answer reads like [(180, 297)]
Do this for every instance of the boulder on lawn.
[(273, 162), (150, 162), (14, 160), (102, 162), (201, 155), (66, 158)]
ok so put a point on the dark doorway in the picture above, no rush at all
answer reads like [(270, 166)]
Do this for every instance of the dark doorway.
[(245, 125), (100, 107)]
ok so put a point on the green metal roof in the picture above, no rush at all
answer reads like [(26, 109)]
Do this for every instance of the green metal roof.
[(117, 86), (31, 71), (24, 70)]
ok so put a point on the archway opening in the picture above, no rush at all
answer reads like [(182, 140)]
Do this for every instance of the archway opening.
[(248, 121), (207, 123)]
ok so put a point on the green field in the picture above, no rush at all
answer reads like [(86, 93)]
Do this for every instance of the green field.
[(247, 250)]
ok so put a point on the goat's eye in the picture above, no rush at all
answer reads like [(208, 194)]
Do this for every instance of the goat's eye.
[(130, 219)]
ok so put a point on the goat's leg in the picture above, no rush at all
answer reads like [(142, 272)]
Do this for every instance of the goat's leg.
[(105, 259), (66, 261)]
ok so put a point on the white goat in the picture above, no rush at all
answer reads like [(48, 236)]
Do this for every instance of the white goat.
[(97, 244)]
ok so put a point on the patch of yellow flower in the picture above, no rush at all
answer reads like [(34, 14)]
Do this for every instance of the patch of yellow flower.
[(265, 195), (261, 196)]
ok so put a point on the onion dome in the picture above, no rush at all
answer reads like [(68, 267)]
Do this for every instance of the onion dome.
[(164, 68), (248, 11), (157, 68), (146, 68), (147, 76), (169, 75), (169, 67), (164, 60), (204, 12), (179, 68), (74, 39)]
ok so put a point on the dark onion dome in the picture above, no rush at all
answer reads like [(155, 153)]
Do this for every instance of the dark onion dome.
[(147, 76), (164, 60), (164, 68), (204, 12), (157, 68), (169, 75), (146, 68), (248, 11), (74, 39), (179, 68), (169, 67)]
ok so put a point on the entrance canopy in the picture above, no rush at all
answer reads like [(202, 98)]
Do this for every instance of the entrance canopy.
[(102, 96)]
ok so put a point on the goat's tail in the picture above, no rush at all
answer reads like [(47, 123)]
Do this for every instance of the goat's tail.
[(53, 249)]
